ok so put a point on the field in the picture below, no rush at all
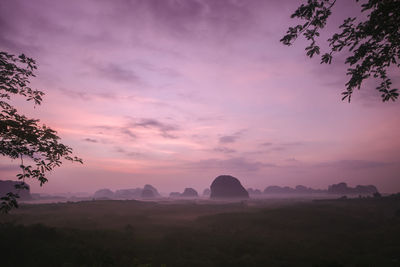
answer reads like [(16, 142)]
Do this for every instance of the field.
[(352, 232)]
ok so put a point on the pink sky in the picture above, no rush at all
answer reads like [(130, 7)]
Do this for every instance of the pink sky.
[(175, 93)]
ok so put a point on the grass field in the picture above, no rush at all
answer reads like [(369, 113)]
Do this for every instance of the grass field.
[(354, 232)]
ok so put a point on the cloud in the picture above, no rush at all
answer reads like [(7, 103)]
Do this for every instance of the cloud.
[(86, 96), (128, 153), (234, 164), (266, 144), (124, 130), (128, 132), (160, 70), (225, 150), (193, 18), (90, 140), (231, 138), (9, 27), (228, 139), (127, 129), (164, 129), (292, 144), (354, 164), (279, 147), (104, 127), (149, 123), (285, 146), (116, 72)]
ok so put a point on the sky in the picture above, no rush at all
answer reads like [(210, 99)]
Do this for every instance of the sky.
[(176, 92)]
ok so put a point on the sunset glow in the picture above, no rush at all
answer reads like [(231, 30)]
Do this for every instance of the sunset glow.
[(174, 93)]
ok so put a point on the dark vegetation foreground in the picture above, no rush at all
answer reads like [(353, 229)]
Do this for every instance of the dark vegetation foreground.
[(354, 232)]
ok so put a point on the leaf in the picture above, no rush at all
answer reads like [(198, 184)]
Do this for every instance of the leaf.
[(22, 137)]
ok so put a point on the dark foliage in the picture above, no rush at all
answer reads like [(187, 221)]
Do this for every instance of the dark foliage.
[(352, 232), (374, 44), (21, 136)]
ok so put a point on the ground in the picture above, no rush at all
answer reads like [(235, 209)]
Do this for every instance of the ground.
[(352, 232)]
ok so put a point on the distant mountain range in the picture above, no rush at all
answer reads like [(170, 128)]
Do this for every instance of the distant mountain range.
[(338, 189), (149, 191)]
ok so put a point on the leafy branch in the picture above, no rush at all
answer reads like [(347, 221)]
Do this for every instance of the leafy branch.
[(24, 137), (374, 43)]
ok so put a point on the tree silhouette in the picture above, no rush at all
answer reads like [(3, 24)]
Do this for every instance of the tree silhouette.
[(22, 137), (374, 43)]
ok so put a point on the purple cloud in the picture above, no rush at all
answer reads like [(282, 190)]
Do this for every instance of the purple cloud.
[(231, 138), (117, 73), (234, 164), (90, 140), (128, 154), (228, 139), (165, 129), (354, 164), (224, 150), (266, 144), (85, 95)]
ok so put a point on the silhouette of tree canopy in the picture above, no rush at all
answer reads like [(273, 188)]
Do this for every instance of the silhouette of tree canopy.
[(22, 137), (373, 43)]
